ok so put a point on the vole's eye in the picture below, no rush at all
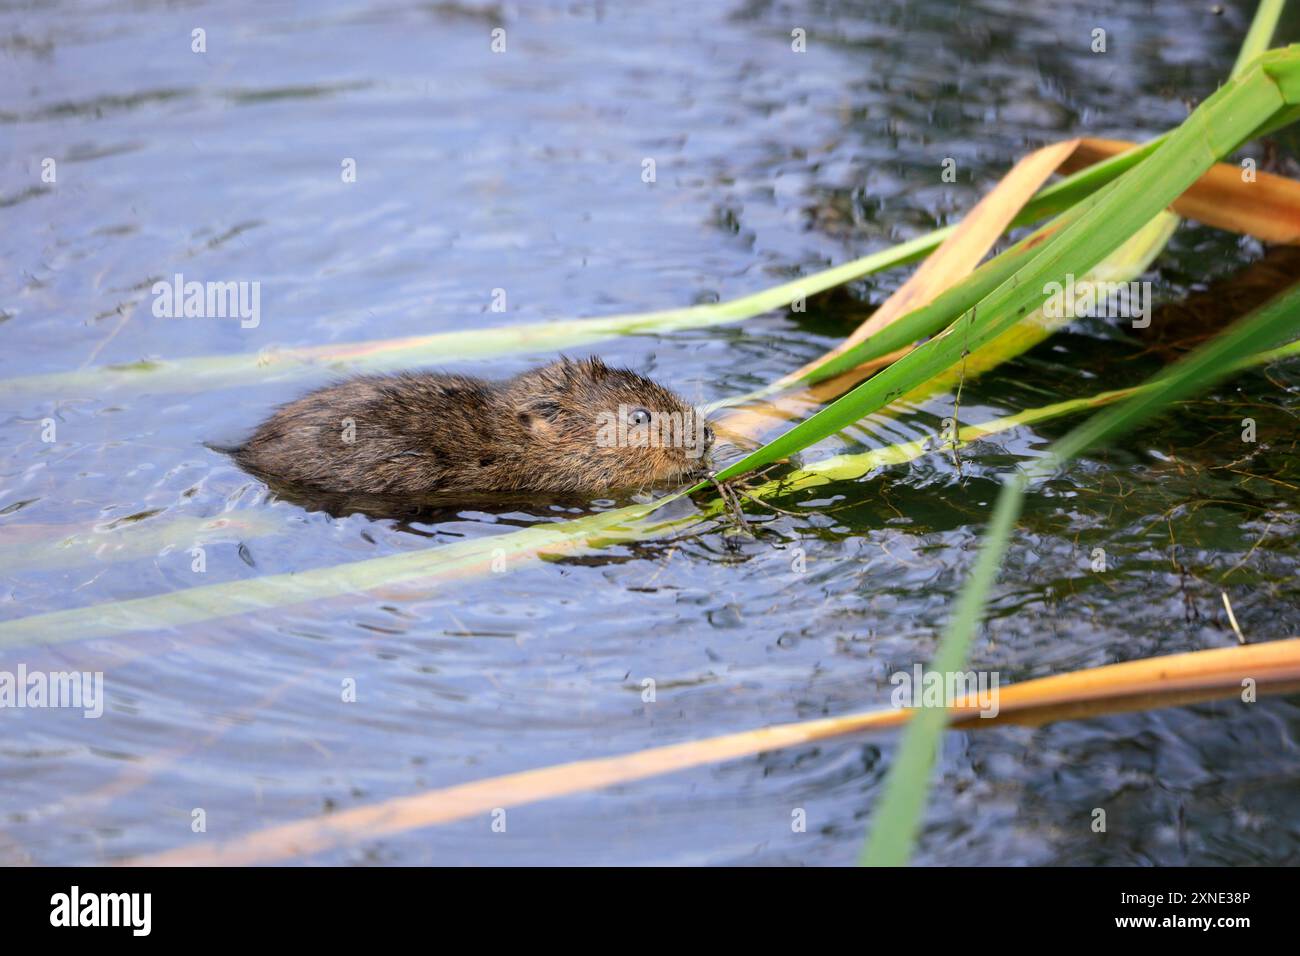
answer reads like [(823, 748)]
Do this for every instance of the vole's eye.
[(638, 416)]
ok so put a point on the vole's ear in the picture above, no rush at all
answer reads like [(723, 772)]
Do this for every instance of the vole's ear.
[(534, 424), (542, 408), (540, 417)]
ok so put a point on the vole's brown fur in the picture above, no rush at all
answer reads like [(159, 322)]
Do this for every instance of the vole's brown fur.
[(422, 433)]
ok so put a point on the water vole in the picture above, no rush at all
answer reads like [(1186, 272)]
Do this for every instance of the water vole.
[(571, 427)]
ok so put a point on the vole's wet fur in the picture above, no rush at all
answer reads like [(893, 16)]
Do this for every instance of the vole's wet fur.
[(430, 433)]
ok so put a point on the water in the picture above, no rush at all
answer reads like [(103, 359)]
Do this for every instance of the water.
[(523, 171)]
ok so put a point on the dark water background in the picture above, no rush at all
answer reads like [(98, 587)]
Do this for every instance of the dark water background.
[(523, 171)]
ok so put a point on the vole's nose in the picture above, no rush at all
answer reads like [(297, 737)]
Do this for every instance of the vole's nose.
[(708, 436)]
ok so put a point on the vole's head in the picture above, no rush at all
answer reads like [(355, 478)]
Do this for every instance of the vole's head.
[(598, 428)]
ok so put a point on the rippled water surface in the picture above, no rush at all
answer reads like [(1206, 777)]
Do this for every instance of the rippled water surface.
[(522, 171)]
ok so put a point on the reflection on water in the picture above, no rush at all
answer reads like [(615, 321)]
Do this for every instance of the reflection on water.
[(523, 172)]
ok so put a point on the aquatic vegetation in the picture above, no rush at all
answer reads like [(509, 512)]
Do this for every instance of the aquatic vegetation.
[(897, 821)]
